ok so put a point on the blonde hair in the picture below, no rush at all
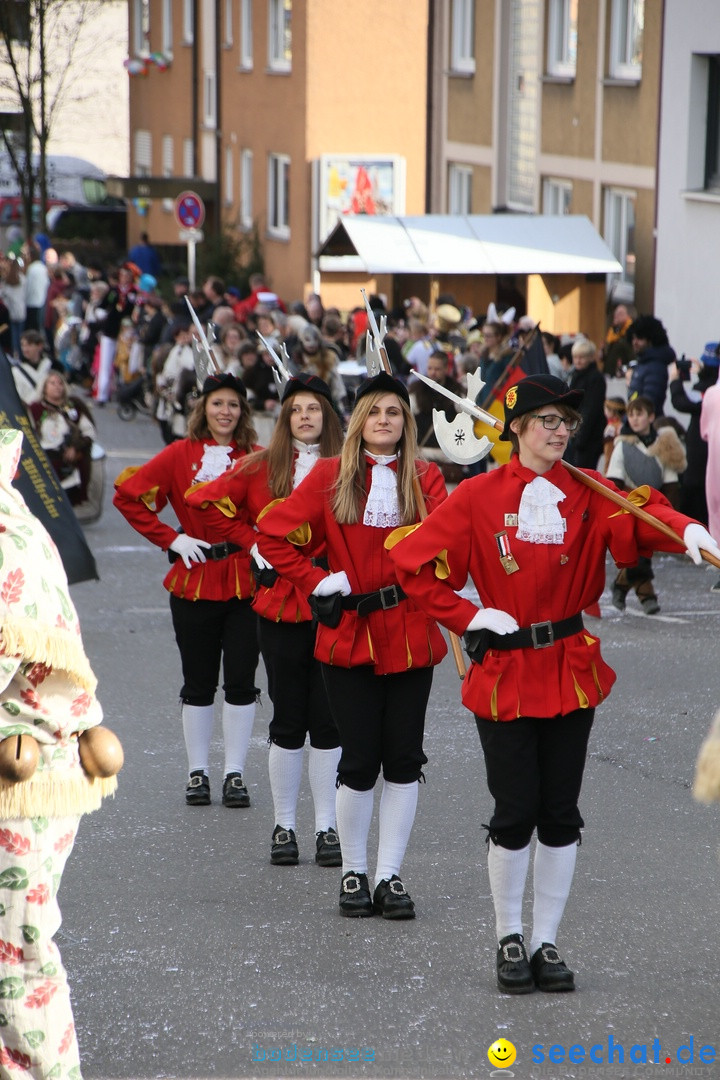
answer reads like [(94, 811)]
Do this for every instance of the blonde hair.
[(279, 451), (584, 347), (244, 434), (350, 490)]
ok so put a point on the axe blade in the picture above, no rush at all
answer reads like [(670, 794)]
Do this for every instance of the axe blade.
[(457, 439)]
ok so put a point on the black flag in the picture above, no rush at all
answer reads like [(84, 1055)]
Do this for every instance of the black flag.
[(38, 484)]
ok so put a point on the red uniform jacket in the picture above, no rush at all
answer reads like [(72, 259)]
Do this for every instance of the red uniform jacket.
[(393, 640), (142, 493), (223, 501), (553, 582)]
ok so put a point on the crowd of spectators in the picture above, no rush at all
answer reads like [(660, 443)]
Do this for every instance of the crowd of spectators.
[(110, 332)]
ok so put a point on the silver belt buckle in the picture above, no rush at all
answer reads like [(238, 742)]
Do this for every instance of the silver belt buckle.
[(392, 589), (542, 626)]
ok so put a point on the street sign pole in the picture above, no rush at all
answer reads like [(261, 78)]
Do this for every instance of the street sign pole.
[(191, 264), (190, 214)]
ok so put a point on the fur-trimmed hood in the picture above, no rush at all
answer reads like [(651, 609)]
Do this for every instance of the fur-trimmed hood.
[(667, 448)]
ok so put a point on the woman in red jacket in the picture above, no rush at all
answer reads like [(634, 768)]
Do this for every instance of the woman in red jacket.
[(367, 628), (307, 429), (210, 582), (534, 541)]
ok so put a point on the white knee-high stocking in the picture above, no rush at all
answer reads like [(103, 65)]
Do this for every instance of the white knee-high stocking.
[(322, 773), (354, 812), (237, 722), (197, 723), (398, 803), (553, 875), (508, 871), (285, 768)]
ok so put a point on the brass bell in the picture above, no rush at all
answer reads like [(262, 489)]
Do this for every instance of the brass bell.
[(101, 753), (19, 756)]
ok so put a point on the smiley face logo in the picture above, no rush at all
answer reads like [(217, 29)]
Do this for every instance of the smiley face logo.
[(501, 1054)]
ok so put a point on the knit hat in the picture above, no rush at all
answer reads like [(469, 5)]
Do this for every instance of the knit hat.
[(534, 392), (710, 356), (382, 383)]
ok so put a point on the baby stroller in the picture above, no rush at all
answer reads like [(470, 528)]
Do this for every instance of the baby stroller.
[(135, 397)]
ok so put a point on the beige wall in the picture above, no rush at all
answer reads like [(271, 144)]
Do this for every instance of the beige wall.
[(630, 114), (568, 303)]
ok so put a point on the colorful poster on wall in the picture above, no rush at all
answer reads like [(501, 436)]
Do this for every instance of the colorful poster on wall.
[(366, 184)]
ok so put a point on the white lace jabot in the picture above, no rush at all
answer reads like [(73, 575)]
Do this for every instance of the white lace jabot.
[(382, 510), (306, 458), (539, 519), (215, 461)]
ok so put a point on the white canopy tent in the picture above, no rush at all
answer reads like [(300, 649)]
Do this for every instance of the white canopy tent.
[(473, 244)]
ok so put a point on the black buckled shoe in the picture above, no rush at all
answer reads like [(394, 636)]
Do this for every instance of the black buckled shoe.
[(513, 970), (197, 792), (235, 792), (284, 849), (328, 851), (392, 900), (355, 900), (550, 972)]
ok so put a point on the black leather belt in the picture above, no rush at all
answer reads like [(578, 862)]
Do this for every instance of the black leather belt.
[(381, 600), (540, 635), (215, 552)]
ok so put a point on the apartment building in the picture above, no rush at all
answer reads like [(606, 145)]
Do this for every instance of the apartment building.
[(551, 106), (282, 115)]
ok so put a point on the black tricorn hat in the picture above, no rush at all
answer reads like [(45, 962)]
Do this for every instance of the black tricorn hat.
[(384, 384), (223, 381), (534, 392), (305, 381)]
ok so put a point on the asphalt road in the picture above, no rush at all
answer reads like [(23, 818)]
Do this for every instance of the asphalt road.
[(190, 956)]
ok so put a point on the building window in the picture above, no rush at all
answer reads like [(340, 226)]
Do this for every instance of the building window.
[(246, 189), (279, 195), (562, 38), (168, 156), (462, 37), (279, 35), (228, 22), (141, 27), (188, 22), (229, 194), (143, 153), (620, 231), (460, 189), (712, 131), (167, 27), (246, 34), (188, 157), (626, 39), (210, 102), (557, 196)]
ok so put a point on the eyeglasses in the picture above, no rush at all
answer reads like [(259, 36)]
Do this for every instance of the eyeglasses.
[(551, 422)]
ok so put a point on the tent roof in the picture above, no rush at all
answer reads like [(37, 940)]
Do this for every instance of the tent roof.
[(472, 244)]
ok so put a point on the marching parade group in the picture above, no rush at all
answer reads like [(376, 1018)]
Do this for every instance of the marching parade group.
[(340, 560)]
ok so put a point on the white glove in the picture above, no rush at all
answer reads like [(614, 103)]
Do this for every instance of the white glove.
[(333, 583), (696, 537), (258, 559), (491, 618), (189, 548)]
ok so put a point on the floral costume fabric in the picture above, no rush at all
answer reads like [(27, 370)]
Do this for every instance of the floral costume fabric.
[(47, 691)]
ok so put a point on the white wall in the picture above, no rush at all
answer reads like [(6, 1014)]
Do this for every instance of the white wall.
[(687, 281), (94, 120)]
